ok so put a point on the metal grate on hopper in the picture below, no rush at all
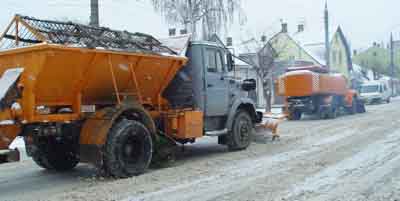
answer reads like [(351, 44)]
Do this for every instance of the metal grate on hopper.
[(25, 31)]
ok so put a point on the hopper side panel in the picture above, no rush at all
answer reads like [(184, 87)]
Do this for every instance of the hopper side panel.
[(299, 85)]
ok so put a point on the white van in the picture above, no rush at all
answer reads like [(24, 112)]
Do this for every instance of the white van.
[(375, 92)]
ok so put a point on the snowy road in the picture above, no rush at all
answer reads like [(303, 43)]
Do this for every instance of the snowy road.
[(350, 158)]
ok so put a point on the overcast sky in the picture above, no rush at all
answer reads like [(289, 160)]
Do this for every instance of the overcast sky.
[(363, 21)]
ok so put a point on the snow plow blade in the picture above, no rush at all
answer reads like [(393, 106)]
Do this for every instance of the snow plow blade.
[(267, 127)]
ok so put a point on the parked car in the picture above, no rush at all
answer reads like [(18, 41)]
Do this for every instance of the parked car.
[(375, 92)]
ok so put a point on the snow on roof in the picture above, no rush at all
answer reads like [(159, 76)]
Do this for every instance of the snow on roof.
[(239, 62), (251, 46), (314, 47), (316, 51)]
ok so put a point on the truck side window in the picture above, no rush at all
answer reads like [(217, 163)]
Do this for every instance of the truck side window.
[(214, 61)]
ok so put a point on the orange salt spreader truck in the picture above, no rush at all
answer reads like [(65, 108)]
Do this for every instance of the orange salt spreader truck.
[(116, 99), (313, 90)]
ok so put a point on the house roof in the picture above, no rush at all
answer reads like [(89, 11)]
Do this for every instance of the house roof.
[(307, 49)]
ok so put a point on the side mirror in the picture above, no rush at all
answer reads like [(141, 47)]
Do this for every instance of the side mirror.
[(249, 85), (230, 62)]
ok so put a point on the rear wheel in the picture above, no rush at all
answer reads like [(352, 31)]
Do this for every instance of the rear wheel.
[(241, 132), (332, 114), (353, 109), (295, 115), (128, 150), (54, 153), (360, 106)]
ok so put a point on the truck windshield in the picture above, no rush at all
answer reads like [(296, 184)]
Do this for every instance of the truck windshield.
[(369, 89)]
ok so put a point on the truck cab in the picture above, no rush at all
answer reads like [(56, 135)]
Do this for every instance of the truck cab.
[(375, 92), (206, 83)]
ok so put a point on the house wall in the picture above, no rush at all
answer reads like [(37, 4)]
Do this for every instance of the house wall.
[(288, 50), (338, 59)]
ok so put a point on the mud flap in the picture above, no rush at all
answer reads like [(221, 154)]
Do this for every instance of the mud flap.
[(165, 149)]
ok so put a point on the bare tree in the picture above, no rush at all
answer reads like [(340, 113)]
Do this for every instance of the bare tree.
[(263, 62), (202, 18)]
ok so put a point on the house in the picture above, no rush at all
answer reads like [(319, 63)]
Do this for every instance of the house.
[(295, 48), (340, 54)]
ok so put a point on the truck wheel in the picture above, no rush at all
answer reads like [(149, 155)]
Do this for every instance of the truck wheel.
[(322, 113), (361, 107), (241, 132), (332, 114), (128, 150), (295, 115), (52, 154), (353, 109)]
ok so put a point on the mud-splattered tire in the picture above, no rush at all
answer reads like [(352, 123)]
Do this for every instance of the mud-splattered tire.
[(53, 154), (361, 107), (241, 132), (295, 115), (353, 109), (333, 112), (128, 150)]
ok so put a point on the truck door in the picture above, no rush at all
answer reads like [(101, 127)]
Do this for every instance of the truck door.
[(217, 91)]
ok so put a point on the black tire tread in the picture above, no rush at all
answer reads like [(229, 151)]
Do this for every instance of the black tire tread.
[(233, 145), (111, 163)]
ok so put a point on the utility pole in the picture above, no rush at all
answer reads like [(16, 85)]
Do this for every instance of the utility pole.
[(327, 44), (392, 63), (94, 13)]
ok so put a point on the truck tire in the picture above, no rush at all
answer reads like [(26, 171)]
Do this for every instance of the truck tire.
[(52, 154), (332, 114), (361, 107), (128, 149), (295, 115), (353, 109), (241, 133)]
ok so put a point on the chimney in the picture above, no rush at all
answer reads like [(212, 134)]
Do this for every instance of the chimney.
[(229, 41), (172, 32), (300, 28), (264, 38), (284, 27), (183, 31)]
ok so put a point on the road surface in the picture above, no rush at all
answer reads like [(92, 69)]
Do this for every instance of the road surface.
[(349, 158)]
